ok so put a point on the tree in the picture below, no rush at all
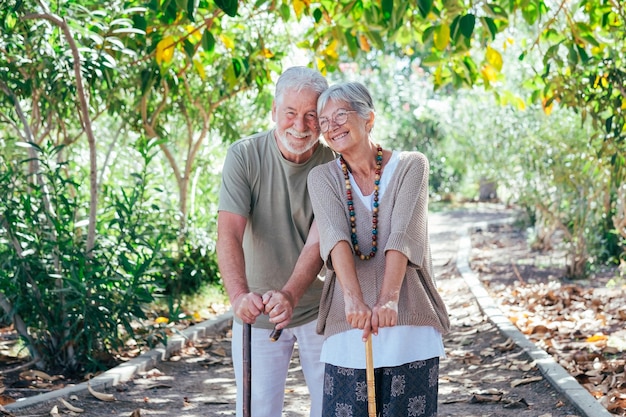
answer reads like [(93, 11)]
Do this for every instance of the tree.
[(174, 74)]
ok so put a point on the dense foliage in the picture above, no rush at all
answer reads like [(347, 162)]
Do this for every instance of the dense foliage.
[(114, 118)]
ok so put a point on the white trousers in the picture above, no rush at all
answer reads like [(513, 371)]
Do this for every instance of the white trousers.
[(270, 364)]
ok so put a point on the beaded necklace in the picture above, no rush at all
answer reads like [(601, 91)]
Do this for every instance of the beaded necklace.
[(355, 243)]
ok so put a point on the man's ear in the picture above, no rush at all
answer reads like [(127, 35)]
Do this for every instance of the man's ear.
[(274, 111)]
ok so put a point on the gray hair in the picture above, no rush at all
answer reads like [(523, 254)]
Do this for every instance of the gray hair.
[(353, 93), (298, 79)]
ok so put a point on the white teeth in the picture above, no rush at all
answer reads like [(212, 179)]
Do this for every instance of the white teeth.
[(340, 136)]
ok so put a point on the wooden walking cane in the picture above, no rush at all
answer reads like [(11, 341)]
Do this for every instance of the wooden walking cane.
[(369, 376), (247, 369)]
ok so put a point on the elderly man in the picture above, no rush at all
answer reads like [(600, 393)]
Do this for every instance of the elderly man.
[(267, 246)]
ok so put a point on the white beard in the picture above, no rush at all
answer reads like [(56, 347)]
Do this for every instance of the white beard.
[(300, 147)]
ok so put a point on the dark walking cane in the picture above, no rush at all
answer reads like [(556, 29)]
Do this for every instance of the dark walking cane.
[(247, 365), (247, 369)]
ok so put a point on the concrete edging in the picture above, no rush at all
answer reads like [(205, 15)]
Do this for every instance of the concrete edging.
[(558, 377), (128, 370)]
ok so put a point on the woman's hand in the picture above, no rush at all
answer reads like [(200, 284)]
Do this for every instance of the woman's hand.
[(359, 315), (384, 314)]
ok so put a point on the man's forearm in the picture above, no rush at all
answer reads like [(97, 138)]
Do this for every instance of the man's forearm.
[(230, 260), (305, 272)]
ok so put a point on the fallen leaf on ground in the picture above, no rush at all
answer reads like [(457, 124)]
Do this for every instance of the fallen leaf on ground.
[(524, 381), (100, 395), (521, 403), (71, 407), (485, 398)]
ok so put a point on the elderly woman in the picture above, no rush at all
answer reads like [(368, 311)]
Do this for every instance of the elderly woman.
[(371, 208)]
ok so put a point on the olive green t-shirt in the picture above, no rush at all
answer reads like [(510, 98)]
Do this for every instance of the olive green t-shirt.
[(271, 192)]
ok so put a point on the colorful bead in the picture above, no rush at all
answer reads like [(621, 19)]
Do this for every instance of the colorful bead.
[(355, 244)]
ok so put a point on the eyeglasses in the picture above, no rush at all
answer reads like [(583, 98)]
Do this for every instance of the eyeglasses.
[(340, 117)]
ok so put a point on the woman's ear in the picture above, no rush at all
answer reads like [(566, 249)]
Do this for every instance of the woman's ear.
[(369, 125)]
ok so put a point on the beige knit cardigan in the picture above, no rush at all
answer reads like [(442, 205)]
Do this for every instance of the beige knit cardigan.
[(402, 226)]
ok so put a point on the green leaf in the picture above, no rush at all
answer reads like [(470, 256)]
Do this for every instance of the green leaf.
[(387, 9), (189, 48), (171, 12), (582, 53), (139, 22), (425, 6), (572, 55), (491, 25), (192, 6), (530, 13), (208, 41), (317, 15), (229, 6), (431, 60), (608, 124), (181, 4), (467, 25), (442, 36), (353, 44), (238, 67), (285, 12), (428, 34), (454, 28)]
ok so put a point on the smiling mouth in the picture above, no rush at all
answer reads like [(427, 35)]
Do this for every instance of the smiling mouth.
[(299, 135), (339, 136)]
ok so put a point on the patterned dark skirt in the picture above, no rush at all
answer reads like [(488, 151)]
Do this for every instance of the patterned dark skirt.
[(408, 390)]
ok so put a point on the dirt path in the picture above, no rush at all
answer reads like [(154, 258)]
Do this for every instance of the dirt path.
[(482, 376)]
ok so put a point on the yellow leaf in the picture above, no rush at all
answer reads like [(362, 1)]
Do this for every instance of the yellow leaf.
[(321, 66), (604, 81), (547, 108), (623, 104), (228, 42), (438, 75), (194, 34), (364, 44), (494, 58), (597, 338), (198, 66), (267, 53), (409, 51), (161, 319), (596, 81), (489, 73), (298, 7), (442, 36), (165, 50), (331, 50)]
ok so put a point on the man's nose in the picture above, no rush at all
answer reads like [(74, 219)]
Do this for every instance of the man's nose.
[(300, 123)]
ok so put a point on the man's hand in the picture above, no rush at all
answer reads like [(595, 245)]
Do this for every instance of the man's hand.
[(279, 306), (248, 307)]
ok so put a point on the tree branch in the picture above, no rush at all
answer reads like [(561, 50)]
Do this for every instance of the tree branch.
[(85, 120)]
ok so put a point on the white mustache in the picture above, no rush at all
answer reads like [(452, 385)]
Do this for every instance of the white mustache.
[(300, 135)]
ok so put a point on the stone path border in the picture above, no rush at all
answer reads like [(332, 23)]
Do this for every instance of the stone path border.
[(130, 369), (558, 377)]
